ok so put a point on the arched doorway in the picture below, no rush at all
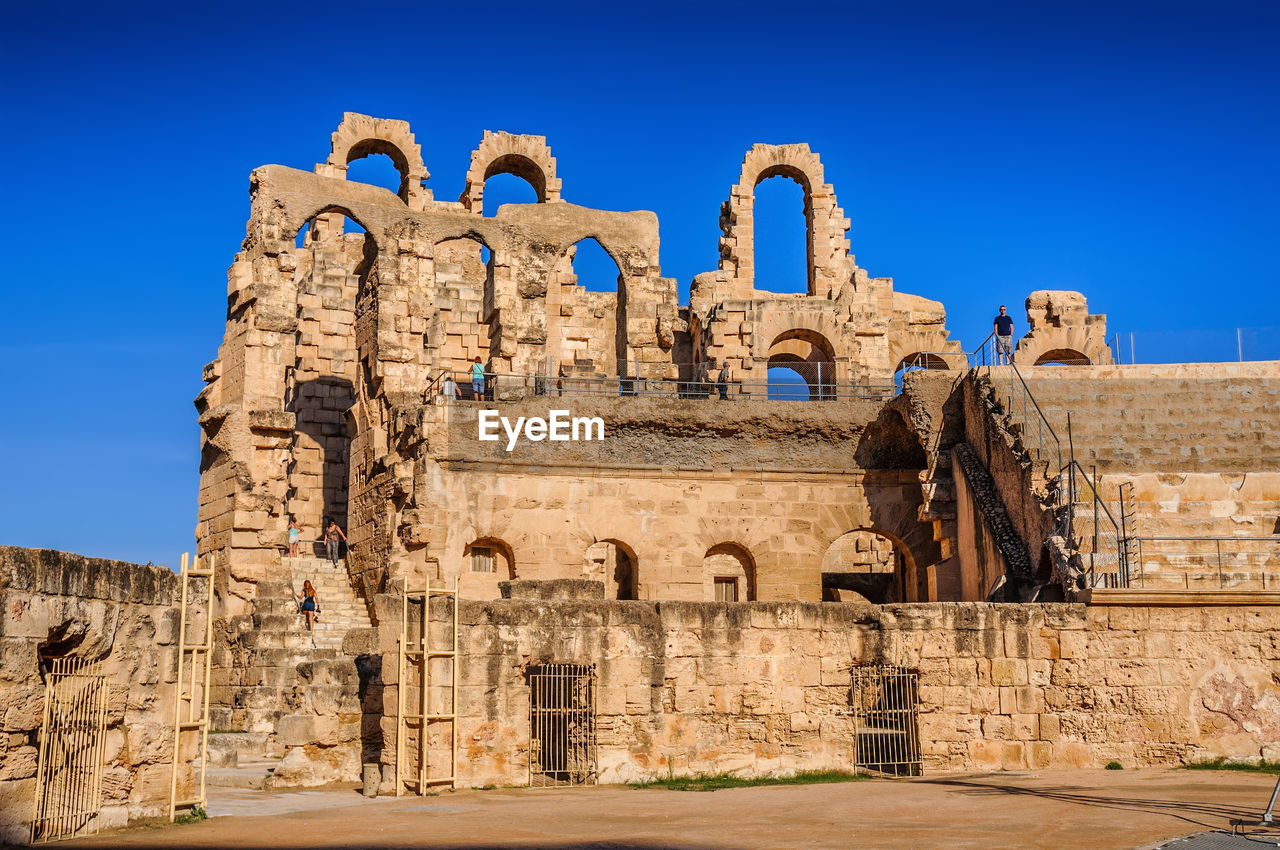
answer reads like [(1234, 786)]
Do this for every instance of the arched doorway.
[(865, 565), (615, 565), (728, 574), (808, 355)]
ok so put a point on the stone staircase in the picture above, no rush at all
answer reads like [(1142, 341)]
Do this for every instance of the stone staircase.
[(286, 707), (340, 609)]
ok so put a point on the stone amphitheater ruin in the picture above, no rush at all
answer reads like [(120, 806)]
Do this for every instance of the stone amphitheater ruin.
[(1066, 564)]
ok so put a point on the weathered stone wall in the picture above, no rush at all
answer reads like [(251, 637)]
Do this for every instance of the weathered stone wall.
[(671, 482), (765, 687), (125, 618)]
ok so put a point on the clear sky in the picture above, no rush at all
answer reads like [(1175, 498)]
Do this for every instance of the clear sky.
[(981, 150)]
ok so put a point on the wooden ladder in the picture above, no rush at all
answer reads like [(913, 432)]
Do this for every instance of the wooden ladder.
[(191, 705), (419, 654)]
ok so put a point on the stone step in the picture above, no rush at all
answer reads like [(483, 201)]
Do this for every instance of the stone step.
[(251, 773)]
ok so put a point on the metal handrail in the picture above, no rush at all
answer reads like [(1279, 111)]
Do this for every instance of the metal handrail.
[(496, 384)]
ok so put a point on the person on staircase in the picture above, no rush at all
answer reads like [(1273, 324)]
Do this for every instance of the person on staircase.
[(308, 605), (332, 534), (1002, 327), (294, 534)]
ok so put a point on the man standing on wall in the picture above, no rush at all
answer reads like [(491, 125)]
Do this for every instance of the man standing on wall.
[(1004, 338)]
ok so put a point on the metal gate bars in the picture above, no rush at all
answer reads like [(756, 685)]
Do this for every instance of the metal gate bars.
[(562, 724), (885, 720), (72, 734)]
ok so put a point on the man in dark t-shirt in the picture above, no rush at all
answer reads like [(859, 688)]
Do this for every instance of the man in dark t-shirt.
[(1003, 326)]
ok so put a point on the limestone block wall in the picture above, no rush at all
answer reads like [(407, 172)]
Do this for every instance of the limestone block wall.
[(124, 617), (780, 482), (760, 688)]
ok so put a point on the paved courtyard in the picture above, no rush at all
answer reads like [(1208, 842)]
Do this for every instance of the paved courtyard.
[(1052, 809)]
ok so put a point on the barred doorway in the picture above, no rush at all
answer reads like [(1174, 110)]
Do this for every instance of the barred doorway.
[(886, 721), (72, 737), (562, 724)]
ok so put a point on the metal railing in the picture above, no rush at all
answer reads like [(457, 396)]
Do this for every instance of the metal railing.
[(1200, 563), (513, 387)]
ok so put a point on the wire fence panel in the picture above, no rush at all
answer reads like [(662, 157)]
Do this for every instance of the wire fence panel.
[(1220, 345), (886, 720), (1207, 563), (562, 724), (69, 770)]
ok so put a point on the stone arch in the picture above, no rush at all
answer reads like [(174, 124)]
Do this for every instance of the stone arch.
[(587, 330), (932, 347), (464, 323), (292, 225), (1063, 357), (503, 557), (615, 563), (360, 135), (827, 249), (808, 353), (527, 157), (865, 562), (731, 561)]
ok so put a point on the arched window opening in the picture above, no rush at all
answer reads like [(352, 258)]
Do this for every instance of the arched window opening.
[(615, 565), (1063, 357), (507, 188), (787, 384), (464, 280), (304, 235), (489, 556), (593, 268), (806, 355), (376, 169), (586, 313), (729, 574), (913, 362), (863, 565), (781, 236)]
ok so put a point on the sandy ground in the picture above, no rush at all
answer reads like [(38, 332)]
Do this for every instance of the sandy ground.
[(1052, 809)]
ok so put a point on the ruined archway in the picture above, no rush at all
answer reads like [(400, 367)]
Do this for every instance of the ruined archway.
[(865, 564), (464, 326), (359, 136), (810, 356), (586, 309), (1063, 357), (615, 564), (527, 157), (827, 261)]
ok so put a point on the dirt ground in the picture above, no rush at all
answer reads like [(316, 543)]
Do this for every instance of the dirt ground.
[(1052, 809)]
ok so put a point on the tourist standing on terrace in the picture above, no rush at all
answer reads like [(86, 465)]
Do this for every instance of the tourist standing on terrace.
[(331, 536), (722, 380), (294, 534), (1004, 338), (477, 380)]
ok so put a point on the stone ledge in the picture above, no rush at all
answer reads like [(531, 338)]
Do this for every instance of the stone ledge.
[(1175, 597)]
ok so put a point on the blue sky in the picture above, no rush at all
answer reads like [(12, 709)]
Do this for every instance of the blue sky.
[(982, 150)]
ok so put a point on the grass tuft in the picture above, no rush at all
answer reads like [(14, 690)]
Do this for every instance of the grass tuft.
[(718, 782), (1221, 763), (1114, 765), (194, 816)]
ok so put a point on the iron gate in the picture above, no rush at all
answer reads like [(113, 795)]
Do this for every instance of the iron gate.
[(562, 724), (69, 771), (885, 719)]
